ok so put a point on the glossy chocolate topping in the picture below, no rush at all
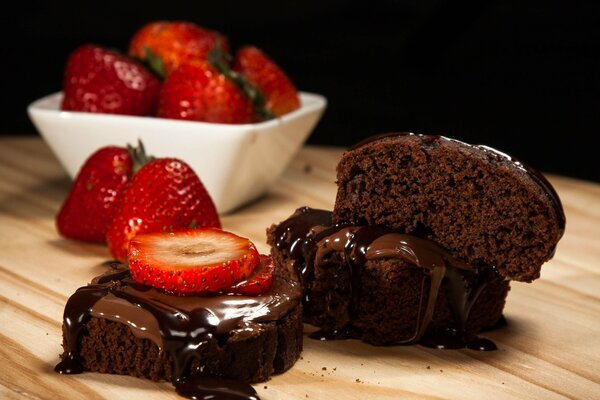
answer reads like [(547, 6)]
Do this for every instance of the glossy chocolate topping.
[(209, 387), (309, 238), (533, 173), (179, 325)]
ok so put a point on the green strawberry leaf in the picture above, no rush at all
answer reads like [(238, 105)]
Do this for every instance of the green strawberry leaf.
[(138, 156), (154, 62)]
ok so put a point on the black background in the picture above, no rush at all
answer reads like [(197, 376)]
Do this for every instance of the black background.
[(521, 76)]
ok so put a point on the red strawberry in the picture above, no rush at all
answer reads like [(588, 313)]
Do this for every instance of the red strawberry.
[(259, 282), (165, 195), (201, 93), (168, 44), (103, 81), (85, 213), (261, 71), (193, 261)]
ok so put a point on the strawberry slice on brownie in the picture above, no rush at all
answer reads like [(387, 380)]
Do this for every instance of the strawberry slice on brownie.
[(199, 261)]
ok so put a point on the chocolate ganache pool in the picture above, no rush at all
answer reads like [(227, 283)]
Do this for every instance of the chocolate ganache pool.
[(309, 237), (178, 325)]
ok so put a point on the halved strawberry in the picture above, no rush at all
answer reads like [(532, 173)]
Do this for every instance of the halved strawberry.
[(259, 282), (192, 261)]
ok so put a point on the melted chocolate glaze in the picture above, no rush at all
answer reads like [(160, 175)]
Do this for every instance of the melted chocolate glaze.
[(536, 175), (184, 324), (455, 339), (312, 231), (203, 387)]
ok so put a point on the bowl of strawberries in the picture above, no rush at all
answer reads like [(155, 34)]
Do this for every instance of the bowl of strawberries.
[(235, 117)]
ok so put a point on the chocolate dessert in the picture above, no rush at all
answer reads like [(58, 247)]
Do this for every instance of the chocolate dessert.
[(425, 236), (206, 345), (483, 206)]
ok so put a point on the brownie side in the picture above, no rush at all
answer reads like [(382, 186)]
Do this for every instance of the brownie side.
[(481, 207), (390, 299), (110, 347), (284, 265), (385, 307)]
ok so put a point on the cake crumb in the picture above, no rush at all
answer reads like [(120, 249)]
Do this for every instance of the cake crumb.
[(441, 370), (428, 367), (265, 386), (358, 381), (324, 368), (335, 369)]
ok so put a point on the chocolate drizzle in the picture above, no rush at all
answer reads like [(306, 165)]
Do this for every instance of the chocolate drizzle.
[(185, 324), (209, 387), (75, 316), (311, 230)]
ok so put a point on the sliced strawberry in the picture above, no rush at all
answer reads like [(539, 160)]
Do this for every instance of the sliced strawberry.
[(259, 282), (192, 261)]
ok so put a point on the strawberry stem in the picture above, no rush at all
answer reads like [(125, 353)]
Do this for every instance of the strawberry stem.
[(138, 156), (154, 63), (219, 59)]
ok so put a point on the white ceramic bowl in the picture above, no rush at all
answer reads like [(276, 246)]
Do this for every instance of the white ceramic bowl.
[(236, 163)]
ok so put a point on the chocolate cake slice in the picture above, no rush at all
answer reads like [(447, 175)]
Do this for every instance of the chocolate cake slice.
[(424, 238), (479, 204), (206, 345)]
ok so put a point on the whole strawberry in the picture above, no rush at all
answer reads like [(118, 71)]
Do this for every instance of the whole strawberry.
[(261, 71), (200, 92), (87, 209), (166, 45), (103, 81), (165, 195)]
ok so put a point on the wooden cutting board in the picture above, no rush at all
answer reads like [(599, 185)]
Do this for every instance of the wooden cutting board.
[(549, 350)]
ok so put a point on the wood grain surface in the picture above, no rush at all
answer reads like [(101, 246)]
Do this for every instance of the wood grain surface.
[(549, 350)]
